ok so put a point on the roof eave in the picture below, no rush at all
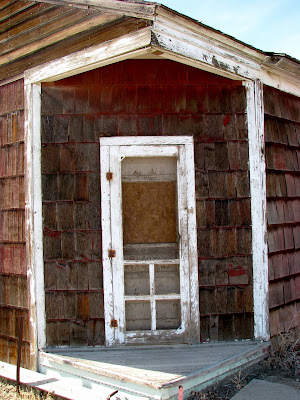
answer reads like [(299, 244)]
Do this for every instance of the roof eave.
[(131, 8)]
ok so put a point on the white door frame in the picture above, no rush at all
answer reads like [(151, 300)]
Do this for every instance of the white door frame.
[(112, 151)]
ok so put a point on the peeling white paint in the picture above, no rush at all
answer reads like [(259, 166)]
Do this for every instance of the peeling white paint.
[(113, 150), (33, 216), (255, 118)]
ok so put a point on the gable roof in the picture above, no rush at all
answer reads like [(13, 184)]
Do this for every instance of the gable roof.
[(35, 32)]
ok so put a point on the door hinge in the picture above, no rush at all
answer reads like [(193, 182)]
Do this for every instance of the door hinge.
[(114, 323), (111, 253), (109, 176)]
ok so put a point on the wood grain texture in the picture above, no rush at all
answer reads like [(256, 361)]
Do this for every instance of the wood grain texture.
[(217, 120), (282, 117), (13, 266), (149, 212)]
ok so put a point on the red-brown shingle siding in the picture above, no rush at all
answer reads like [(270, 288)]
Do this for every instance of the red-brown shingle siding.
[(13, 274), (144, 97), (282, 135)]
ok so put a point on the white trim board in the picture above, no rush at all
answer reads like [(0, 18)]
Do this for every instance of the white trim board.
[(172, 41), (203, 53), (33, 217), (255, 118)]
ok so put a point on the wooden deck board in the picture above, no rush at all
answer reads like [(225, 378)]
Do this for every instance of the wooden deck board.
[(157, 365)]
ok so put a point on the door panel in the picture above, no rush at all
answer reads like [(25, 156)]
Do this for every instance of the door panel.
[(150, 270)]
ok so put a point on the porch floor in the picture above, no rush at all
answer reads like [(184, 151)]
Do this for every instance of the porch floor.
[(154, 372)]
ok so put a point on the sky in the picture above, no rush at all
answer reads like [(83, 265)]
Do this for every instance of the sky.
[(268, 25)]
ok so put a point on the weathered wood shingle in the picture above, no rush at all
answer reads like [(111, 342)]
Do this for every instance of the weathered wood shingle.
[(282, 122)]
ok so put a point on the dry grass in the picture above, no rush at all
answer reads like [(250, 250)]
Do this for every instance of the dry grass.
[(239, 381), (285, 352), (10, 391)]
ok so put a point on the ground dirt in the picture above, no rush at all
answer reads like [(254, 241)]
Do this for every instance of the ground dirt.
[(223, 390), (9, 390), (227, 388), (281, 366)]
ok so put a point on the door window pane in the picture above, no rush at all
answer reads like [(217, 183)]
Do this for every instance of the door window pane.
[(137, 315), (168, 314), (136, 279), (166, 279)]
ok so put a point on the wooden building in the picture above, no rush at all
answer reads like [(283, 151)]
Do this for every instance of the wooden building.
[(149, 179)]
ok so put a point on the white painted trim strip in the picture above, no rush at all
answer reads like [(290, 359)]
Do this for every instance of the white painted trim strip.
[(184, 45), (145, 140), (34, 218), (117, 243), (152, 298), (183, 242), (106, 244), (148, 151), (193, 248), (148, 297), (155, 262), (170, 333), (255, 118)]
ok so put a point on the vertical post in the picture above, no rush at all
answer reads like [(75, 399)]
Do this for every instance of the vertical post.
[(255, 119), (33, 217), (180, 393)]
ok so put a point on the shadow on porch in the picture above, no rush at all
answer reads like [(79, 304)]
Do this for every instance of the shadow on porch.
[(152, 372)]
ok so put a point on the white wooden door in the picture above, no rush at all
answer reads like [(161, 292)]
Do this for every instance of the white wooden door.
[(149, 250)]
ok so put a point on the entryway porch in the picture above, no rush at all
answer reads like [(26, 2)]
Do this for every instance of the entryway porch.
[(151, 372)]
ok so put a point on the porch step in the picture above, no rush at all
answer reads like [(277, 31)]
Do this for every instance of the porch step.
[(153, 372), (60, 387)]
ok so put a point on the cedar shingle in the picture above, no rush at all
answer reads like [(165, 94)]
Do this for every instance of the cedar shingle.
[(234, 127), (204, 329), (50, 159), (78, 335), (75, 128), (231, 300), (96, 305), (225, 327), (67, 245), (296, 233), (200, 213), (243, 184), (210, 213), (50, 275), (81, 187), (234, 155), (221, 212), (290, 185), (221, 156), (207, 272), (208, 301), (63, 333), (205, 243), (64, 216), (276, 294), (51, 333), (217, 184), (221, 299), (95, 275), (288, 237), (209, 156), (52, 101), (243, 326), (202, 185)]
